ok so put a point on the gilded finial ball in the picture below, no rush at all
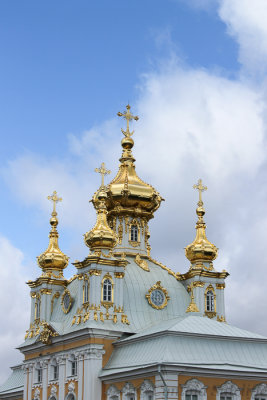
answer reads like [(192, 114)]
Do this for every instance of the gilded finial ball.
[(127, 143), (200, 211), (53, 221)]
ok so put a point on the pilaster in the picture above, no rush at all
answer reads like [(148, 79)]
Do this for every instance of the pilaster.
[(171, 381), (61, 377), (45, 377), (92, 365)]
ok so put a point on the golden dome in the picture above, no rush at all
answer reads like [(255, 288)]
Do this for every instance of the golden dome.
[(101, 236), (201, 250), (127, 193), (53, 258)]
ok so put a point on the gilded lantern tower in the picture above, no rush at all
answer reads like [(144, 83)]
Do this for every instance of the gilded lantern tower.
[(203, 282), (131, 202)]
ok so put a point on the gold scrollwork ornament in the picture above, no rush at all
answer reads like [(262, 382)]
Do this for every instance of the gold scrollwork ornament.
[(158, 296)]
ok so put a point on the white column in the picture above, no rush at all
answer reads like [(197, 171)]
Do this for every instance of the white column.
[(92, 366), (171, 380), (61, 377), (30, 381), (45, 378), (26, 374), (80, 357)]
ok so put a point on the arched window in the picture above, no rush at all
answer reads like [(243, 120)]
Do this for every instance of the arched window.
[(107, 289), (194, 390), (210, 301), (37, 307), (228, 391), (134, 233), (70, 396), (259, 392), (52, 398), (86, 291)]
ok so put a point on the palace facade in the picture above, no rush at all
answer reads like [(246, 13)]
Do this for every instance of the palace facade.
[(125, 326)]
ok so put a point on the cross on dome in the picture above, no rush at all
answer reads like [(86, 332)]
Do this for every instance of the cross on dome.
[(200, 189), (103, 171), (55, 199), (128, 116)]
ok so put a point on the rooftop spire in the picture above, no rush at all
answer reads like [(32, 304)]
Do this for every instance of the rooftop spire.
[(127, 142), (53, 259), (101, 236), (201, 250)]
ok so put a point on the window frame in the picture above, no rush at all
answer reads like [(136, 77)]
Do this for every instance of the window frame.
[(105, 299)]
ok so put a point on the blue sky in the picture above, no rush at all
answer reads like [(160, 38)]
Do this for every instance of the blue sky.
[(194, 71), (68, 66)]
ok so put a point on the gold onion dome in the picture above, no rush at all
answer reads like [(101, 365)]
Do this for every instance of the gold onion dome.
[(127, 193), (53, 258), (101, 236), (201, 250)]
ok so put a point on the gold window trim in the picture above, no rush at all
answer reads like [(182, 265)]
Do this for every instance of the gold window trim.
[(210, 314), (86, 283), (158, 286), (104, 302), (134, 243), (66, 310), (38, 300)]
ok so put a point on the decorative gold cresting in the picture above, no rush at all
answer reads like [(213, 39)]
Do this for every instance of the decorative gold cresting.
[(103, 171), (201, 250), (53, 259), (101, 236)]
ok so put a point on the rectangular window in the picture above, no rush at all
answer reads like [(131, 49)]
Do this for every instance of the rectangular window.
[(191, 397), (226, 397), (39, 375), (55, 372), (74, 368)]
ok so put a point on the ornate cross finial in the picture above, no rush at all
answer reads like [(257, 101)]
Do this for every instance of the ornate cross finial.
[(55, 200), (200, 189), (103, 171), (128, 116)]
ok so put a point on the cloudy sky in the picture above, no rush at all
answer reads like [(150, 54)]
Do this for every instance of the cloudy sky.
[(195, 73)]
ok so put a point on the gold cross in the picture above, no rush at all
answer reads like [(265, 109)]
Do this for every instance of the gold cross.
[(128, 116), (200, 189), (103, 171), (55, 200)]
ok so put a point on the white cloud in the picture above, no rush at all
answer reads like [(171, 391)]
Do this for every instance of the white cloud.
[(246, 22), (15, 305)]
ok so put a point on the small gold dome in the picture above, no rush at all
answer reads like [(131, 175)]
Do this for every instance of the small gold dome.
[(101, 236), (53, 259), (201, 250)]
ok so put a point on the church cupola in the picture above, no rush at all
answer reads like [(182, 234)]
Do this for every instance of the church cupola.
[(202, 281), (101, 236), (53, 259), (201, 250), (130, 202)]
